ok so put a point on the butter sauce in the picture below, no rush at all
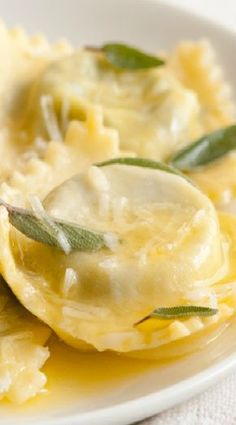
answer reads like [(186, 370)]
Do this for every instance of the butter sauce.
[(86, 381)]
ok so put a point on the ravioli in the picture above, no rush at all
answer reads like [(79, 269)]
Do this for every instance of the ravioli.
[(152, 111), (155, 111), (195, 65), (85, 143), (217, 180), (64, 110), (23, 58), (22, 351), (155, 222)]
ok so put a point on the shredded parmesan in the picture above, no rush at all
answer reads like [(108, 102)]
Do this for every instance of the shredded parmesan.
[(111, 241), (198, 294), (98, 179), (195, 324), (213, 300), (40, 144), (40, 212), (109, 263), (178, 329), (50, 118), (118, 208), (70, 280), (5, 382), (84, 311), (104, 205), (198, 216), (226, 196)]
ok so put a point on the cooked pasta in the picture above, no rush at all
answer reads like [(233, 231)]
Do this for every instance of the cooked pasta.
[(105, 237)]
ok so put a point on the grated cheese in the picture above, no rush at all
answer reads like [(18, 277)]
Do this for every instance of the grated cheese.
[(104, 205), (98, 179), (118, 208), (40, 144), (198, 294), (5, 382), (198, 216), (109, 263), (213, 300), (226, 196), (178, 329), (195, 324), (84, 311), (50, 118), (70, 280), (111, 241), (40, 212)]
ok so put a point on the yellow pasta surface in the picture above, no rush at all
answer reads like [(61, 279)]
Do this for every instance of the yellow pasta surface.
[(64, 110)]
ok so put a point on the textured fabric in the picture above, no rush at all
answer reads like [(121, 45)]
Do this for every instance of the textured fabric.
[(216, 406)]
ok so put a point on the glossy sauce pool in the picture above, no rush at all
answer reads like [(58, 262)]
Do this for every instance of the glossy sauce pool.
[(85, 381)]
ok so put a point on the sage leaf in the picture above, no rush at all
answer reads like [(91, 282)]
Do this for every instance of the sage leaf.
[(126, 57), (142, 162), (48, 232), (206, 149), (182, 311)]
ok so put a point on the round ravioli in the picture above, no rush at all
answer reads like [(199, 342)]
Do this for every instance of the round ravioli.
[(152, 111), (163, 245)]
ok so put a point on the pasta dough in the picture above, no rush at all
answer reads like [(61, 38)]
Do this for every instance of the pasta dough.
[(195, 65), (111, 290), (217, 180), (62, 111), (22, 351), (152, 111), (85, 143), (22, 61)]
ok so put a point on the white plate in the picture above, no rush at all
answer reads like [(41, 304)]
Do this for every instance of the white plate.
[(154, 25)]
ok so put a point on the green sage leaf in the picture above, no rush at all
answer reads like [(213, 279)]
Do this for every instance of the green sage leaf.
[(125, 57), (206, 149), (142, 162), (52, 231), (182, 311)]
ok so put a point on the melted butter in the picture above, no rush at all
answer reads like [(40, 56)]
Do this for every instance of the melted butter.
[(74, 377), (80, 374), (84, 380)]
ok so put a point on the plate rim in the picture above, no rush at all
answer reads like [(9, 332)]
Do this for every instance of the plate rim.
[(201, 380), (156, 402)]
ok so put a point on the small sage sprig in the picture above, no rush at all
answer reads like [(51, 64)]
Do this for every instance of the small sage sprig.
[(48, 232), (181, 311), (142, 162), (122, 56), (206, 149)]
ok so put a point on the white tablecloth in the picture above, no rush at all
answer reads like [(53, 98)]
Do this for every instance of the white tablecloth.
[(216, 406)]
